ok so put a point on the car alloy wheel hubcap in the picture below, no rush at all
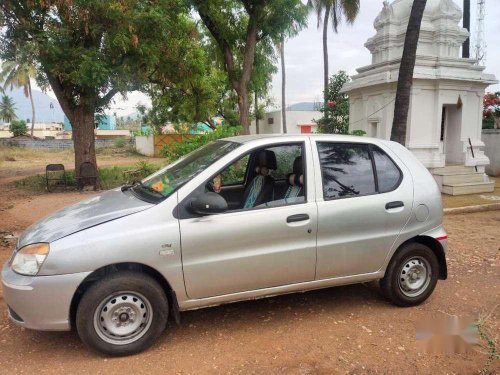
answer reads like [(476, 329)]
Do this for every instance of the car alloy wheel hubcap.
[(123, 318), (414, 276)]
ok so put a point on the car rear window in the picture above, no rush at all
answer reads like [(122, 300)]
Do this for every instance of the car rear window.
[(346, 170)]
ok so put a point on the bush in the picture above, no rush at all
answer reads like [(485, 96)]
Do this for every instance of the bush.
[(358, 132), (18, 127), (119, 142), (175, 150), (488, 123), (335, 118)]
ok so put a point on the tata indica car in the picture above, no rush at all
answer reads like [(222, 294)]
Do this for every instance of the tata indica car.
[(240, 218)]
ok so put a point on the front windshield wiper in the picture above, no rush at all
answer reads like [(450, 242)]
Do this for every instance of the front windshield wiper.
[(145, 187)]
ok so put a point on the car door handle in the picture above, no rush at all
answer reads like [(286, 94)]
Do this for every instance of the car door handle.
[(394, 204), (298, 217)]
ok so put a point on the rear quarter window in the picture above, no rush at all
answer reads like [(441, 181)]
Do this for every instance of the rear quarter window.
[(388, 173)]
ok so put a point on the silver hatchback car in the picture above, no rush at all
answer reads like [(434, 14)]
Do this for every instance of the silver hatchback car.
[(240, 218)]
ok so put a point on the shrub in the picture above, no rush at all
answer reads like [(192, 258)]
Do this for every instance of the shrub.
[(358, 132), (175, 150), (119, 142), (18, 127)]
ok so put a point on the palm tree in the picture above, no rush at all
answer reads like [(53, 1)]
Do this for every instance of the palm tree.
[(7, 109), (334, 11), (19, 74), (405, 78)]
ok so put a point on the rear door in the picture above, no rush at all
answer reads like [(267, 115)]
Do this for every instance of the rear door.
[(360, 212)]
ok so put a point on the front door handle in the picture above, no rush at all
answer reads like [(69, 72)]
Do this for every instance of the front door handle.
[(298, 217), (394, 204)]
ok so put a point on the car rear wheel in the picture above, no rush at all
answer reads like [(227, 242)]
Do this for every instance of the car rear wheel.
[(411, 275), (122, 314)]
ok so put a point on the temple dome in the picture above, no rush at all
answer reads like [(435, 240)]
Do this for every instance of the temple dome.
[(402, 8), (440, 32)]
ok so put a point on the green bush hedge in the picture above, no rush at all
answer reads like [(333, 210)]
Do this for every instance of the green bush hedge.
[(175, 150)]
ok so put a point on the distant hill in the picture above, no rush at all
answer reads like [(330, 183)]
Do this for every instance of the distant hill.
[(43, 112), (304, 106)]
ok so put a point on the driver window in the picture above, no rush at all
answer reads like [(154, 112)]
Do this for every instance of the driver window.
[(267, 177)]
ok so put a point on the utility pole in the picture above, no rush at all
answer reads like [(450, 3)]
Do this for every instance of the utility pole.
[(256, 113), (466, 25), (480, 43)]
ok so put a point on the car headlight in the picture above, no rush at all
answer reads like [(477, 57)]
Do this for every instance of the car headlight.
[(30, 258)]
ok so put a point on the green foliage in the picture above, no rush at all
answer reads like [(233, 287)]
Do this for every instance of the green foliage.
[(7, 109), (235, 173), (120, 142), (174, 151), (109, 177), (245, 33), (18, 127), (335, 118), (358, 132), (338, 11), (488, 123), (90, 50)]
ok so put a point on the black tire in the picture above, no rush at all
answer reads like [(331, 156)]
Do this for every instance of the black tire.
[(147, 306), (396, 283)]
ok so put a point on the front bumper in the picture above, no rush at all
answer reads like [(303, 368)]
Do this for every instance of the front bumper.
[(40, 302)]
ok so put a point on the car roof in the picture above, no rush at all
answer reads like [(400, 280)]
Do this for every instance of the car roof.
[(297, 137)]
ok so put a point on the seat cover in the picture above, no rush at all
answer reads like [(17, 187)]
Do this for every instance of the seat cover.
[(295, 179), (261, 188)]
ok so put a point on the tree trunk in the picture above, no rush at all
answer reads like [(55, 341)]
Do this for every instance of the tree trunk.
[(32, 108), (325, 57), (283, 101), (243, 109), (256, 113), (405, 78), (82, 122)]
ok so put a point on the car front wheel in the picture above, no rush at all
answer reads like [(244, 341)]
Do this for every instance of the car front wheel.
[(122, 314), (411, 275)]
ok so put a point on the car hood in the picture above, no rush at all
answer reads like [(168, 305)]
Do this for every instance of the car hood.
[(104, 207)]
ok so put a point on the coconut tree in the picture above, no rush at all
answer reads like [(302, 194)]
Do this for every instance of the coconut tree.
[(19, 74), (7, 109), (332, 11), (405, 78)]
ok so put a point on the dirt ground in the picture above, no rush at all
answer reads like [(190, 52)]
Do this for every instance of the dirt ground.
[(347, 329)]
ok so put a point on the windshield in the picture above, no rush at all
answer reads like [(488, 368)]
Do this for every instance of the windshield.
[(167, 180)]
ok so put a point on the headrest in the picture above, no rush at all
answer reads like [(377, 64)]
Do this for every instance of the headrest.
[(267, 158), (297, 165)]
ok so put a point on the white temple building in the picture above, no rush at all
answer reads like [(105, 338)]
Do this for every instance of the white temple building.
[(445, 115)]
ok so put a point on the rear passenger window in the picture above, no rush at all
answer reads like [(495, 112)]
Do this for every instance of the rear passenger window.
[(387, 173), (346, 170)]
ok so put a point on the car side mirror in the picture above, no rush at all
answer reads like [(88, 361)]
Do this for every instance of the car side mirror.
[(208, 204)]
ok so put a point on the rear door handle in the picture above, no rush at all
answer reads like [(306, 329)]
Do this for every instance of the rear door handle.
[(298, 217), (394, 204)]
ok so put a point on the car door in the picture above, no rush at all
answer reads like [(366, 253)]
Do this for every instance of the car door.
[(249, 249), (360, 213)]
